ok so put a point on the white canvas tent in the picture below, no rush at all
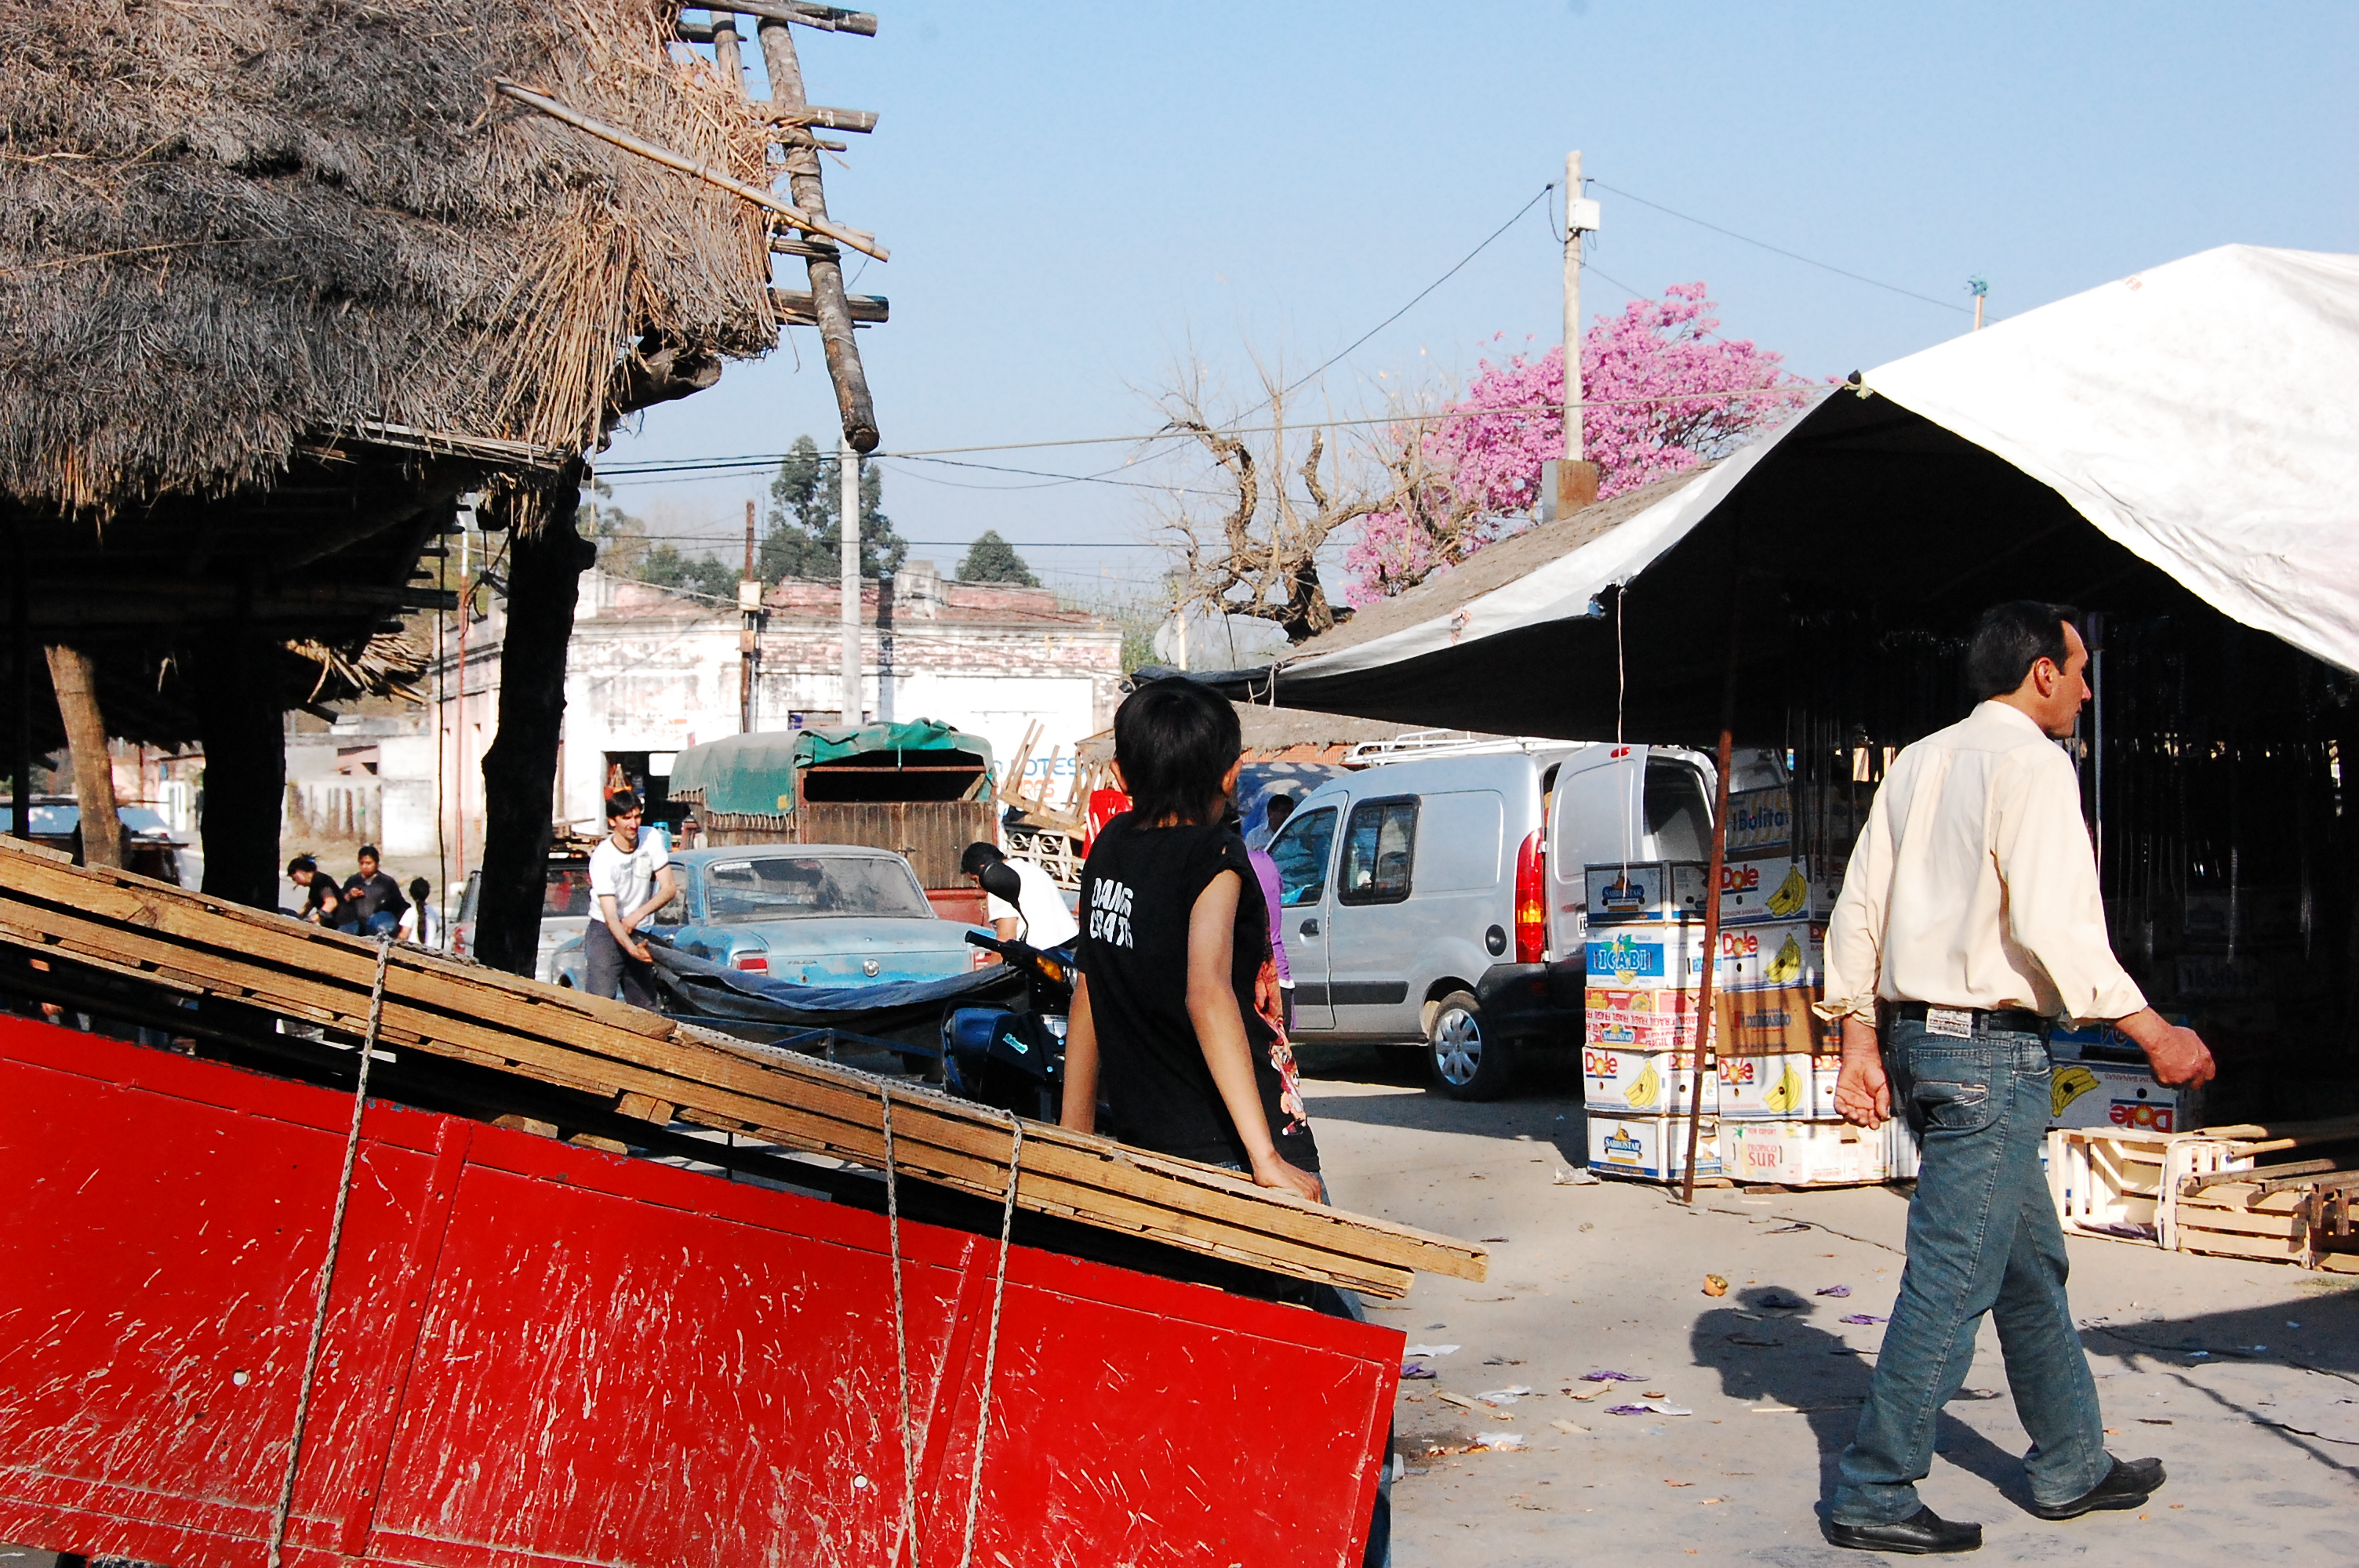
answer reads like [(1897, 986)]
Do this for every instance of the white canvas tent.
[(2187, 436)]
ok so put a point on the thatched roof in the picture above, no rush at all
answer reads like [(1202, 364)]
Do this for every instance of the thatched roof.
[(232, 230)]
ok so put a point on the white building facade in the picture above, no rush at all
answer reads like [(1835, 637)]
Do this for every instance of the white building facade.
[(650, 672)]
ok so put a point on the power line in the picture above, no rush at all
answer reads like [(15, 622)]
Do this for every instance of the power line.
[(1419, 295), (770, 460), (1781, 250)]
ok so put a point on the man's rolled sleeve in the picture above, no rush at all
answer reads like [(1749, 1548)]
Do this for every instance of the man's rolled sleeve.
[(1855, 928), (2054, 909)]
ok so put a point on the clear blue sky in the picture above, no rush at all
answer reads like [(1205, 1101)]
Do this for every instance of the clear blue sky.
[(1075, 194)]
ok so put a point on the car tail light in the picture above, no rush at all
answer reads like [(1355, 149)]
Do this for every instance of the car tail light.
[(752, 962), (1531, 902), (985, 958), (458, 940)]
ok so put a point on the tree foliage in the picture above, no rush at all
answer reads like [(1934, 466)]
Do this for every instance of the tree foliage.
[(992, 559), (666, 567), (801, 538), (1662, 393)]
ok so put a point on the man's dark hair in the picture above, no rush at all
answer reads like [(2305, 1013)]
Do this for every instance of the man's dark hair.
[(301, 863), (1174, 738), (367, 852), (978, 855), (1279, 808), (2009, 640), (622, 803)]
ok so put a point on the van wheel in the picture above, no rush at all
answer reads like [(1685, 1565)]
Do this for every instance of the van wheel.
[(1467, 1063)]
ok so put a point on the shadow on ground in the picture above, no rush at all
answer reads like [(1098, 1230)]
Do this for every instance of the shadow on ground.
[(1544, 1105)]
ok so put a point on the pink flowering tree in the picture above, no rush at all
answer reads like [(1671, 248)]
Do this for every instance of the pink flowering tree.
[(1661, 394)]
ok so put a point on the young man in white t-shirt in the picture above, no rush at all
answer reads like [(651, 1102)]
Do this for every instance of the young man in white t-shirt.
[(630, 878), (1039, 915)]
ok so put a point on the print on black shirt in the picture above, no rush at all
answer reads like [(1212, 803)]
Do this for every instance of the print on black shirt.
[(1138, 889)]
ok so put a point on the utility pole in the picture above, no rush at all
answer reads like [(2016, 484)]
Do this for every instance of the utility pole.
[(749, 639), (1980, 288), (1569, 483), (847, 467)]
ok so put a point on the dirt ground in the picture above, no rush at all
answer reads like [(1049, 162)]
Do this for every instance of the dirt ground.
[(2243, 1377)]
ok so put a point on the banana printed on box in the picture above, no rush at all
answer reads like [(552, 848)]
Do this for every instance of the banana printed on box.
[(1621, 1082), (1767, 1088), (1777, 888)]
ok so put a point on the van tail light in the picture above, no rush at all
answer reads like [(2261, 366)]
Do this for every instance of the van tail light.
[(1531, 902), (752, 962)]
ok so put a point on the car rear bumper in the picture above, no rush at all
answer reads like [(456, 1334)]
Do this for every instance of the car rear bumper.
[(1532, 1002)]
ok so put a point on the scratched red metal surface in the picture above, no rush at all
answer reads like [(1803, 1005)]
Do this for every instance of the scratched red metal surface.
[(537, 1354)]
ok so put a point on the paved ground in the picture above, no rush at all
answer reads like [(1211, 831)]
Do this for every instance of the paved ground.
[(2242, 1376)]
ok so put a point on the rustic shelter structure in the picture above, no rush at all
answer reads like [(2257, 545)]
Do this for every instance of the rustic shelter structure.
[(280, 282)]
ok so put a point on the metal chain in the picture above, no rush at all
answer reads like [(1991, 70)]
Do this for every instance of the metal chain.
[(328, 1264), (991, 1345), (901, 1336)]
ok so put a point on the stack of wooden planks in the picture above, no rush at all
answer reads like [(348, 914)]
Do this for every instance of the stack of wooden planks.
[(653, 1071), (2207, 1191)]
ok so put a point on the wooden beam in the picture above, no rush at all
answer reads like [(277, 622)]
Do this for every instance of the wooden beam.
[(641, 1064), (857, 122), (796, 307), (77, 689), (857, 239), (822, 18), (831, 310)]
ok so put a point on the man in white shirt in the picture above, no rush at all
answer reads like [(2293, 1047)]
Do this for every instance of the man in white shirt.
[(1038, 916), (630, 878), (1970, 919)]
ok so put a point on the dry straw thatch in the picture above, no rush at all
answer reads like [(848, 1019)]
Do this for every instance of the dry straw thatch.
[(230, 228)]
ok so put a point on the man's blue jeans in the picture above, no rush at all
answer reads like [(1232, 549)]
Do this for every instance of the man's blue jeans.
[(1982, 1238)]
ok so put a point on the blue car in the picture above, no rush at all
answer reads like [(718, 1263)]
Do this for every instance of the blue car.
[(814, 914)]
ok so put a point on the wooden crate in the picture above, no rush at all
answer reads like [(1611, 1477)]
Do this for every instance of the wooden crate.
[(2232, 1220), (2109, 1183)]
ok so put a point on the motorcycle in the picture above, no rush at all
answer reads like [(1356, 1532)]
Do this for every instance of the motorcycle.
[(1012, 1056)]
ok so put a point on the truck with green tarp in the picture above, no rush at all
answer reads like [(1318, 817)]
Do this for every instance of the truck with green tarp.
[(919, 788)]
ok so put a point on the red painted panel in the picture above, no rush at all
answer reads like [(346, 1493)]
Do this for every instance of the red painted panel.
[(544, 1355)]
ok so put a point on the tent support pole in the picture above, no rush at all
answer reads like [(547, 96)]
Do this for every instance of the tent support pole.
[(1704, 1001)]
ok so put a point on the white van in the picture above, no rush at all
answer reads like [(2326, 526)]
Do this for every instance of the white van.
[(1435, 897)]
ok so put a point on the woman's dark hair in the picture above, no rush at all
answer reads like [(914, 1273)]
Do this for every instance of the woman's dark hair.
[(419, 889), (1174, 738), (2009, 640)]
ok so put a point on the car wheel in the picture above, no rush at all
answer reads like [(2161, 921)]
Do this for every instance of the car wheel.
[(1467, 1063)]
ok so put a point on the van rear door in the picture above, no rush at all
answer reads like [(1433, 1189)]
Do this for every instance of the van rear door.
[(1624, 804)]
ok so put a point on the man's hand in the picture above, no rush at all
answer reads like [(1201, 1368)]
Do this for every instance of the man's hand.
[(1863, 1094), (2178, 1056), (1273, 1171), (638, 948)]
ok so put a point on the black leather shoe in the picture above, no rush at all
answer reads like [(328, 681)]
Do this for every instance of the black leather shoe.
[(1921, 1534), (2129, 1483)]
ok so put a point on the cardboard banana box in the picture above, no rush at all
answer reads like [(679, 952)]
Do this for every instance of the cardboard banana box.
[(1779, 887), (1621, 1082)]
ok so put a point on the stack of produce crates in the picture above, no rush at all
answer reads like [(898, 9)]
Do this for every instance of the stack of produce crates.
[(1642, 1029), (1776, 1060)]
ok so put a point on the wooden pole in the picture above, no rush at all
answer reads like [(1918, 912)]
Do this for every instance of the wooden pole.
[(20, 760), (546, 561), (824, 19), (458, 721), (829, 306), (857, 239), (77, 687), (847, 467), (749, 648), (725, 49), (1718, 863)]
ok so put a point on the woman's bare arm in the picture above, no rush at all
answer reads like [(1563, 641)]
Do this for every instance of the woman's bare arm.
[(1081, 1109), (1221, 1033)]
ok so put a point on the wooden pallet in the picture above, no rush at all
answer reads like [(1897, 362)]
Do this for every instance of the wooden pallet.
[(2105, 1180), (648, 1068)]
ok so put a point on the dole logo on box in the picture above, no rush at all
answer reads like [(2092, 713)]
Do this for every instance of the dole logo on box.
[(1739, 878), (1600, 1064)]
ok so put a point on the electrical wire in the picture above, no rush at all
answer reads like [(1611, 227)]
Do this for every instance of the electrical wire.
[(1781, 250)]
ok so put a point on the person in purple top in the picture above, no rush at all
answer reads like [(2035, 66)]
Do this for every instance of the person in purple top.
[(1275, 814)]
